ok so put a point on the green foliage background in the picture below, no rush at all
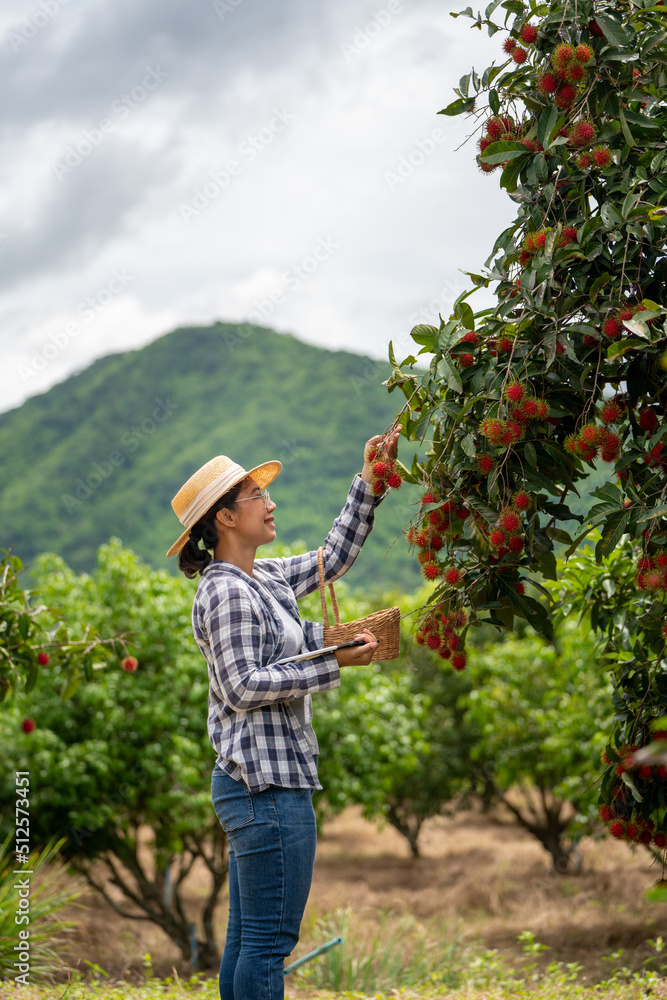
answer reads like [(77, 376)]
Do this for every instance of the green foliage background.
[(227, 389)]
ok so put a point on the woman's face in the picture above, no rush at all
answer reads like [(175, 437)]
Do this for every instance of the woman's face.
[(254, 519)]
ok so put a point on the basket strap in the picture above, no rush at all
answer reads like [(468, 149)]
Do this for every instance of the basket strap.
[(332, 592)]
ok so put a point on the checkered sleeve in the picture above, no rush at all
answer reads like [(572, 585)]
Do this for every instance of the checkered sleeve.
[(235, 635), (341, 546)]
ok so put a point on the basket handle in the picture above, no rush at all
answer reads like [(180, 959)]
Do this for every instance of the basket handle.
[(332, 592)]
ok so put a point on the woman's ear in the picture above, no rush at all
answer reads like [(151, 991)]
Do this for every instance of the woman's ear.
[(225, 517)]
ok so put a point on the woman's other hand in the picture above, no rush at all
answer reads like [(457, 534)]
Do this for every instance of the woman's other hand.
[(355, 656), (386, 446)]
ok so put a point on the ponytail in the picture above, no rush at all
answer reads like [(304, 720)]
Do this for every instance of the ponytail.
[(195, 557)]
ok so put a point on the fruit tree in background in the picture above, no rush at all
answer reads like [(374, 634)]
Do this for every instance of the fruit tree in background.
[(563, 374)]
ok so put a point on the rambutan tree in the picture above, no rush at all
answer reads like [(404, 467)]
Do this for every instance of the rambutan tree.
[(564, 374)]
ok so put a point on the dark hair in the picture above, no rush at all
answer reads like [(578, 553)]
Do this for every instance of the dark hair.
[(193, 558)]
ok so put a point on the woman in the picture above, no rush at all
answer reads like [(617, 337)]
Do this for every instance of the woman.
[(245, 618)]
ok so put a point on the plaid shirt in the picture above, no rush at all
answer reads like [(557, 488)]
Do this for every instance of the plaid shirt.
[(250, 724)]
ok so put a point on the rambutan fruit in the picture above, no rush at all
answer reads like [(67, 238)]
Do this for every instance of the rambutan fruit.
[(436, 542), (617, 829), (497, 538), (483, 143), (644, 563), (505, 344), (588, 452), (583, 53), (568, 235), (590, 435), (585, 161), (459, 661), (394, 479), (595, 29), (602, 156), (466, 360), (632, 831), (542, 409), (540, 239), (419, 638), (460, 618), (521, 501), (378, 487), (421, 539), (611, 328), (571, 444), (565, 96), (487, 168), (431, 571), (645, 771), (575, 73), (469, 338), (582, 133), (533, 145), (372, 454), (547, 84), (519, 55), (589, 341), (515, 544), (524, 257), (562, 55), (428, 497), (452, 576), (509, 45), (507, 123), (514, 392), (606, 813), (520, 589), (648, 420), (610, 445), (529, 243), (528, 34), (485, 463), (623, 315), (515, 430), (433, 642), (509, 521), (660, 840), (611, 412), (494, 128), (379, 469), (529, 408)]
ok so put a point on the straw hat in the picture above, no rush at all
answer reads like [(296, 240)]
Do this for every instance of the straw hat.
[(210, 483)]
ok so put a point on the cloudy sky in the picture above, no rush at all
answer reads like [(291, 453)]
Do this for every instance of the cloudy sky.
[(170, 162)]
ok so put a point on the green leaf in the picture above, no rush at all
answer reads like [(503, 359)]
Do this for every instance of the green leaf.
[(531, 454), (71, 685), (505, 149), (599, 283), (660, 511), (629, 138), (610, 216), (448, 371), (24, 626), (424, 335), (613, 31), (621, 346), (614, 527), (546, 125), (494, 101), (509, 178), (627, 780), (468, 445), (459, 107)]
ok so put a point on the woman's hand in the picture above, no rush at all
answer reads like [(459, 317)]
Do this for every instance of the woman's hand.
[(386, 446), (355, 656)]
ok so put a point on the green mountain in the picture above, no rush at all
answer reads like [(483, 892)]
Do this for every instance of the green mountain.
[(103, 453)]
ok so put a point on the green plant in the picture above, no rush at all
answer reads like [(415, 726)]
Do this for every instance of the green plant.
[(44, 930)]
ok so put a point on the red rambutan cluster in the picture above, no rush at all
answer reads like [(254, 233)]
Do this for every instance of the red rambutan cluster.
[(384, 473), (441, 632), (532, 244), (652, 571), (590, 441)]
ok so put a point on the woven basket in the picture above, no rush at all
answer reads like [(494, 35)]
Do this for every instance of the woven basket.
[(385, 624)]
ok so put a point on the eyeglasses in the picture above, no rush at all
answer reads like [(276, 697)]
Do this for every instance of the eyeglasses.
[(264, 495)]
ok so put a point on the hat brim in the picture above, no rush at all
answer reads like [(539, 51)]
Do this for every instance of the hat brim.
[(262, 474)]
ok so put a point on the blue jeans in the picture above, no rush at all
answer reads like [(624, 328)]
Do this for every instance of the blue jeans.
[(271, 836)]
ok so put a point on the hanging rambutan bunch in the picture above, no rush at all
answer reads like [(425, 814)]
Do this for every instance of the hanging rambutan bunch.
[(547, 84), (568, 235)]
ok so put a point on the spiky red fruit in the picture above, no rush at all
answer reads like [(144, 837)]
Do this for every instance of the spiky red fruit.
[(583, 53), (509, 521), (611, 328), (379, 469), (660, 840), (459, 661), (515, 544), (590, 435), (469, 338), (466, 360), (436, 542), (509, 45), (610, 412), (429, 497), (540, 239), (610, 444), (497, 538), (528, 34), (632, 831), (519, 55), (582, 133), (28, 725), (483, 143), (565, 96), (568, 235), (43, 659), (394, 479), (514, 392), (529, 243), (494, 129), (431, 571), (584, 161), (645, 771), (602, 156), (433, 642), (648, 421), (563, 54), (617, 829), (485, 463), (575, 73), (130, 664), (487, 168), (595, 29), (452, 576), (505, 344), (548, 84), (606, 813), (521, 500)]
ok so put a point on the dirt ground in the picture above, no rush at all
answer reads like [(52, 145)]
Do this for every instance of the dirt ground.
[(477, 877)]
